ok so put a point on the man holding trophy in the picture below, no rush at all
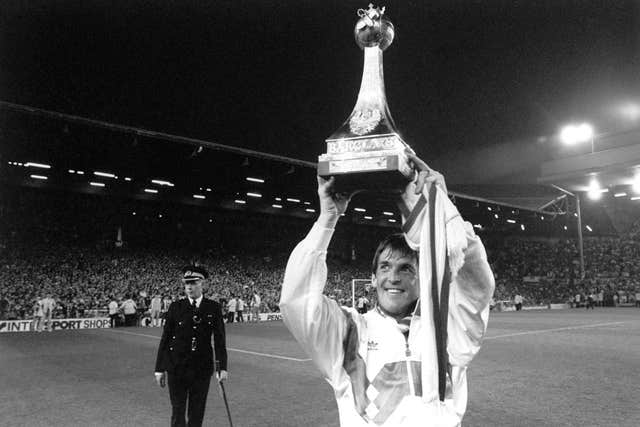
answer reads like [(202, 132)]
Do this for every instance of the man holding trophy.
[(404, 362)]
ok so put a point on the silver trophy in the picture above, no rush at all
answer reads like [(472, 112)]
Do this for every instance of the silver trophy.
[(366, 152)]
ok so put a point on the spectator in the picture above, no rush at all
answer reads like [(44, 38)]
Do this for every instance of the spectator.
[(517, 301), (231, 309), (255, 306), (47, 305), (240, 309), (363, 304), (156, 309), (129, 309), (37, 317), (113, 312)]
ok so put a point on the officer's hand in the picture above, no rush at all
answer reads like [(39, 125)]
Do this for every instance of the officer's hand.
[(161, 378), (426, 175), (222, 376)]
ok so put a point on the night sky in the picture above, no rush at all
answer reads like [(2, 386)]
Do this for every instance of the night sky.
[(280, 77)]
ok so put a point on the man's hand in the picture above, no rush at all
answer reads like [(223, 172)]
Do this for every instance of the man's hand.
[(222, 376), (332, 204), (161, 378), (426, 175)]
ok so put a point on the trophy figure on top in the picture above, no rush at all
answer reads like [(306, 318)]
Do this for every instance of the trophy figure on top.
[(367, 153)]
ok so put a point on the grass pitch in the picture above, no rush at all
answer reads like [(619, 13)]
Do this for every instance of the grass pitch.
[(536, 368)]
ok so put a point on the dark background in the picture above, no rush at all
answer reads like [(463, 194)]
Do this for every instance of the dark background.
[(280, 77)]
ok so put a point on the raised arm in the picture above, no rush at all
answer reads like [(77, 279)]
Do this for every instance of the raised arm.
[(473, 286), (471, 292), (317, 322)]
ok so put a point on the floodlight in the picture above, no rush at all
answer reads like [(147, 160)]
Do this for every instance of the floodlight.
[(576, 133), (595, 192)]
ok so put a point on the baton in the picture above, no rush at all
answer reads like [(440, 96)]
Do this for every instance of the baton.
[(226, 404)]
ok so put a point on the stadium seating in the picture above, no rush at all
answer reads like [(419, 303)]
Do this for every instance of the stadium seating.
[(65, 244)]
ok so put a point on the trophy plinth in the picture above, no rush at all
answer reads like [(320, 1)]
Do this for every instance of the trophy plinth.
[(367, 152)]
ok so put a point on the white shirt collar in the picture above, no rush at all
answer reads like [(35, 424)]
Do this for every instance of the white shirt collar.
[(198, 301)]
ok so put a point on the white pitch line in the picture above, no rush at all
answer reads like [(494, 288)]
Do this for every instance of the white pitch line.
[(269, 355), (273, 356), (539, 331)]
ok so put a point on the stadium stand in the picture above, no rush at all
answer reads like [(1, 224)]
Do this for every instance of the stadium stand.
[(65, 243)]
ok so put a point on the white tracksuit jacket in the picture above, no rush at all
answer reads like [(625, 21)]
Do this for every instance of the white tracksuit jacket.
[(373, 369)]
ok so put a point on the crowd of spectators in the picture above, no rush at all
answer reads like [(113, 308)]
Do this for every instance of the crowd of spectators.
[(68, 247), (546, 271)]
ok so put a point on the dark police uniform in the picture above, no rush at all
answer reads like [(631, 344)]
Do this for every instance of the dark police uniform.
[(186, 354)]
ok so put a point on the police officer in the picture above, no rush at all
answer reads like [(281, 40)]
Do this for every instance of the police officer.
[(185, 356)]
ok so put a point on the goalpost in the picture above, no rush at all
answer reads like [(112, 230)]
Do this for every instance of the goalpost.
[(355, 282)]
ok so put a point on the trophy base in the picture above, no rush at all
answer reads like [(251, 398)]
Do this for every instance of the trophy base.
[(387, 174)]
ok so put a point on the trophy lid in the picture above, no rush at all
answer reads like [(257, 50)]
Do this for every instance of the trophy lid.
[(371, 116)]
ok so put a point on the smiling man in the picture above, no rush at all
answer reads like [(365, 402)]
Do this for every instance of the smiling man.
[(395, 277), (374, 361)]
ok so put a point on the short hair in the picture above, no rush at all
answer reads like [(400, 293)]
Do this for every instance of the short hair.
[(396, 243)]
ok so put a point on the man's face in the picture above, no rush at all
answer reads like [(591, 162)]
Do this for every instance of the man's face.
[(193, 289), (396, 282)]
